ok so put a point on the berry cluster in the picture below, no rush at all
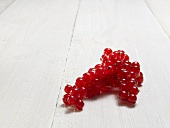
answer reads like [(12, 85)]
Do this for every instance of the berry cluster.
[(115, 71)]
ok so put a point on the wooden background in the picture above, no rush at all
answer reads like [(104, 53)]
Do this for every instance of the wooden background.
[(45, 44)]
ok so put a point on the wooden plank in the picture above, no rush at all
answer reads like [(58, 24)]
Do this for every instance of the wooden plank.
[(34, 41), (128, 25), (161, 10), (4, 4)]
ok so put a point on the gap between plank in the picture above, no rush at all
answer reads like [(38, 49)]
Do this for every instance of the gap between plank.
[(156, 18), (66, 59), (7, 7)]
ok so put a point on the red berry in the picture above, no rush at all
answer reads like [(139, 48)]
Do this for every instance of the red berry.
[(119, 81), (99, 72), (112, 56), (104, 58), (126, 65), (77, 93), (141, 74), (109, 63), (107, 51), (65, 99), (135, 64), (131, 79), (83, 91), (139, 80), (123, 95), (79, 82), (109, 70), (91, 72), (134, 90), (136, 70), (87, 77), (123, 73), (121, 54), (116, 52), (126, 57), (96, 82), (117, 63), (80, 105), (71, 100), (131, 83), (132, 98), (68, 88), (123, 87), (108, 81), (97, 66), (132, 74)]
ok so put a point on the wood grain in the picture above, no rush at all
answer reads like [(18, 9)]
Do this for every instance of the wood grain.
[(161, 10), (4, 4), (34, 41), (119, 24)]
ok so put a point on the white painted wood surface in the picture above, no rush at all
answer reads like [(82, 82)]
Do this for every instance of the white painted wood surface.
[(161, 10), (34, 40), (4, 4), (45, 44)]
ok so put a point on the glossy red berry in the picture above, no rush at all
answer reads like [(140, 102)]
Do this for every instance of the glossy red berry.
[(126, 65), (77, 93), (87, 77), (135, 64), (136, 71), (71, 100), (79, 105), (117, 63), (121, 54), (132, 98), (107, 51), (123, 73), (123, 95), (109, 70), (97, 66), (134, 90), (96, 82), (65, 99), (141, 74), (112, 56), (83, 91), (124, 87), (68, 88), (139, 80), (131, 74), (104, 58), (131, 83), (80, 82), (99, 72), (126, 57)]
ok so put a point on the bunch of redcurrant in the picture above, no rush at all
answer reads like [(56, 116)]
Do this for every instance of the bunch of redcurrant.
[(115, 71)]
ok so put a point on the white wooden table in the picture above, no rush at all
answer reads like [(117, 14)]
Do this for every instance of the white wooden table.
[(45, 44)]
